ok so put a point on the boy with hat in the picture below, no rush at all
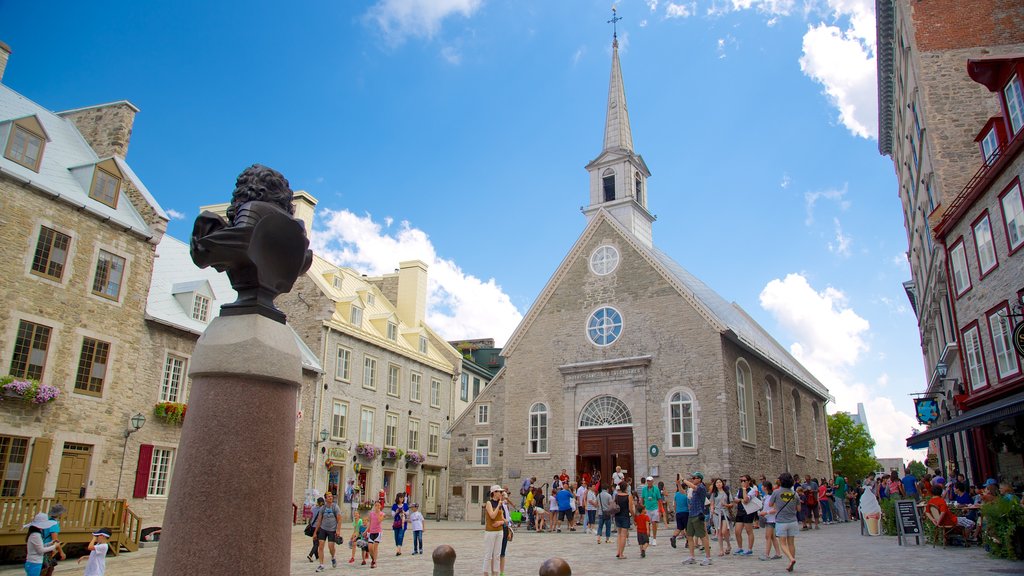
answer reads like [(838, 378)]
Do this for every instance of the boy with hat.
[(97, 565)]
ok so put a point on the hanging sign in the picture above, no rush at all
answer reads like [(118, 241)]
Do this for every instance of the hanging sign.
[(654, 451), (1018, 339), (927, 410)]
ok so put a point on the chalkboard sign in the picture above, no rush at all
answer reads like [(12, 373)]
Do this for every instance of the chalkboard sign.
[(908, 523)]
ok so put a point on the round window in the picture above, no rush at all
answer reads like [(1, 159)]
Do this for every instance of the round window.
[(604, 260), (604, 326)]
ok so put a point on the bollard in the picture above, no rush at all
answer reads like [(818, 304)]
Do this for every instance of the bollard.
[(555, 567), (444, 560)]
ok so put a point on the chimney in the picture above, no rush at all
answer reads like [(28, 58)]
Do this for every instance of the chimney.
[(5, 53), (106, 127), (304, 204), (412, 292)]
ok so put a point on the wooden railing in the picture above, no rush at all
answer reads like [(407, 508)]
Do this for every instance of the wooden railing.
[(83, 517)]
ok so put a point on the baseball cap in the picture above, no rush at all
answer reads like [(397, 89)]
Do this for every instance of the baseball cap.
[(938, 480), (990, 482), (650, 478), (102, 532), (414, 505), (697, 475)]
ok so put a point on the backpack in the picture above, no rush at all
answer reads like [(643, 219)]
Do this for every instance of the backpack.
[(613, 508), (812, 496)]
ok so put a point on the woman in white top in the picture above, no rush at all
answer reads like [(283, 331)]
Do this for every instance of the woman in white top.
[(720, 504), (767, 512), (34, 547)]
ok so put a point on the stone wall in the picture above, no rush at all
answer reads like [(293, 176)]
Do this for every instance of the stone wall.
[(107, 127)]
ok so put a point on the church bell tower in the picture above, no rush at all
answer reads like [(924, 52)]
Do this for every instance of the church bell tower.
[(618, 176)]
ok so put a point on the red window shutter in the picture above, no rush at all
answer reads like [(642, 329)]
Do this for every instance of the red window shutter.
[(142, 472)]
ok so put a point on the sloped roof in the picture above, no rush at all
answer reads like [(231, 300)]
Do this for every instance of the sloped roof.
[(729, 319), (174, 270), (67, 149)]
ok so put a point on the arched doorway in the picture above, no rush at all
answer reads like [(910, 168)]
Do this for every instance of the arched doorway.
[(605, 433)]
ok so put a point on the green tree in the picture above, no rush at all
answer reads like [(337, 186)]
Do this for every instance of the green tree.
[(916, 468), (851, 447)]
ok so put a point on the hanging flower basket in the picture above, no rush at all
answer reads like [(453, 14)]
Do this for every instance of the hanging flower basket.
[(414, 458), (170, 412), (392, 453), (367, 450), (30, 391)]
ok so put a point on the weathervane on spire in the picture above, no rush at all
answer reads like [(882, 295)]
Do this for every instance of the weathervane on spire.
[(613, 21)]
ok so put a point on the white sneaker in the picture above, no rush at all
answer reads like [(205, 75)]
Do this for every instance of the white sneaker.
[(654, 542)]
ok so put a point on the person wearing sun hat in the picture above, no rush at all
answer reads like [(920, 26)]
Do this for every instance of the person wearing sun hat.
[(34, 547), (49, 535), (97, 565), (494, 528)]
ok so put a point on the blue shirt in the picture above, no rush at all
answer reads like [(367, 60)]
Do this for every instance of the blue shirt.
[(564, 498), (696, 504), (909, 484), (964, 498), (681, 502)]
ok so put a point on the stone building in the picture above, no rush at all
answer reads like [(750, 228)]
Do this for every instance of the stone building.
[(77, 240), (626, 359), (982, 232), (388, 379), (480, 362), (929, 112)]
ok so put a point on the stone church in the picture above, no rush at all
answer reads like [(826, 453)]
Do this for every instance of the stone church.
[(626, 359)]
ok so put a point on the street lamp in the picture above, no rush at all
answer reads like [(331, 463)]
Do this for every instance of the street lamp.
[(941, 369), (137, 422), (323, 436)]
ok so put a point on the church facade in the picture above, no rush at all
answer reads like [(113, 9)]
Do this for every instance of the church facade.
[(626, 359)]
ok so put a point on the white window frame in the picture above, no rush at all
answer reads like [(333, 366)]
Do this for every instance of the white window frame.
[(481, 452), (201, 307), (343, 364), (356, 316), (369, 372), (414, 434), (796, 425), (958, 266), (423, 345), (435, 393), (975, 358), (168, 376), (1014, 103), (464, 387), (990, 145), (433, 439), (483, 413), (1002, 343), (391, 429), (744, 401), (817, 423), (1012, 205), (671, 402), (392, 331), (339, 419), (415, 386), (161, 469), (770, 412), (985, 245), (537, 442), (394, 380), (604, 260), (367, 415)]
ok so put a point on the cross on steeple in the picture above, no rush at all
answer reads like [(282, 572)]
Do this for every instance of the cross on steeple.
[(613, 22)]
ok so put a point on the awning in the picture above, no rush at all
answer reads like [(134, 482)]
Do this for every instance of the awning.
[(991, 412), (989, 70)]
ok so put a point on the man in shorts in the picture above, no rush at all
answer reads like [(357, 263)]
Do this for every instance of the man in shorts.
[(651, 496), (785, 506), (695, 528)]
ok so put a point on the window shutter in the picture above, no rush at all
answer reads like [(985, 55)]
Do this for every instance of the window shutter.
[(37, 468), (142, 472)]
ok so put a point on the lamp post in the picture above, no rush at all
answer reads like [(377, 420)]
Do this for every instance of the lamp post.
[(137, 422)]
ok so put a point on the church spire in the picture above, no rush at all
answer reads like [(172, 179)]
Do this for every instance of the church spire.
[(617, 134)]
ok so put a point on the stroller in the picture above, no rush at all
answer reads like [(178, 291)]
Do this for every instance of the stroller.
[(516, 516)]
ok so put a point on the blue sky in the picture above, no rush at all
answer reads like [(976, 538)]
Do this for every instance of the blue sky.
[(456, 131)]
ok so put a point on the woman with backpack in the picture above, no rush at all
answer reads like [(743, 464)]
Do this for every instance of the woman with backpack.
[(720, 505), (400, 511), (311, 527)]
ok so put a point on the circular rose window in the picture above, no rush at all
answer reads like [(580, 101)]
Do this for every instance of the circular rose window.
[(604, 326), (604, 260)]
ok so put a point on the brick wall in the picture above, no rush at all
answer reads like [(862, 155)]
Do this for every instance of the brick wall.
[(954, 24)]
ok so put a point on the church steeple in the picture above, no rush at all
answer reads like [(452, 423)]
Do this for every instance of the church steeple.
[(618, 176)]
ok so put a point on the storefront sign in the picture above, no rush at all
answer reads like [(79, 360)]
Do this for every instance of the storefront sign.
[(1018, 339), (927, 410), (337, 454)]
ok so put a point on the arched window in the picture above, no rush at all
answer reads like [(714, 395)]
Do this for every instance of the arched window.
[(605, 411), (538, 428), (680, 416), (638, 188), (745, 401), (796, 421), (770, 411), (608, 184), (817, 424)]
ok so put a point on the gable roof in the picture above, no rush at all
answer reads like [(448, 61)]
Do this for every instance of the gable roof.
[(66, 149), (727, 318), (175, 273)]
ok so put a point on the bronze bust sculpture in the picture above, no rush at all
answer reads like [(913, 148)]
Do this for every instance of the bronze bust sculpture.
[(261, 246)]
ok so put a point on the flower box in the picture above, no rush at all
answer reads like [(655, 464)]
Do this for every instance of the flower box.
[(367, 450), (414, 458), (170, 412), (392, 453), (30, 391)]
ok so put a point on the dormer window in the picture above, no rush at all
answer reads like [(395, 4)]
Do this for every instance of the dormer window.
[(105, 187), (990, 145), (25, 146), (392, 331), (608, 183), (201, 308), (357, 316), (423, 344), (371, 300), (1014, 103), (337, 282)]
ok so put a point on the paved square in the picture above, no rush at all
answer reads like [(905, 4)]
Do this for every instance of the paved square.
[(833, 550)]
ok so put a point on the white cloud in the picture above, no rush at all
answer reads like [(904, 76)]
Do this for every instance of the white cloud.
[(769, 7), (724, 44), (459, 305), (673, 10), (174, 214), (578, 54), (786, 181), (451, 55), (841, 244), (831, 340), (811, 200), (402, 19), (841, 57), (652, 4), (643, 23)]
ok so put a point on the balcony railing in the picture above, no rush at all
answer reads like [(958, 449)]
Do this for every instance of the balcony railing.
[(83, 517), (993, 165)]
